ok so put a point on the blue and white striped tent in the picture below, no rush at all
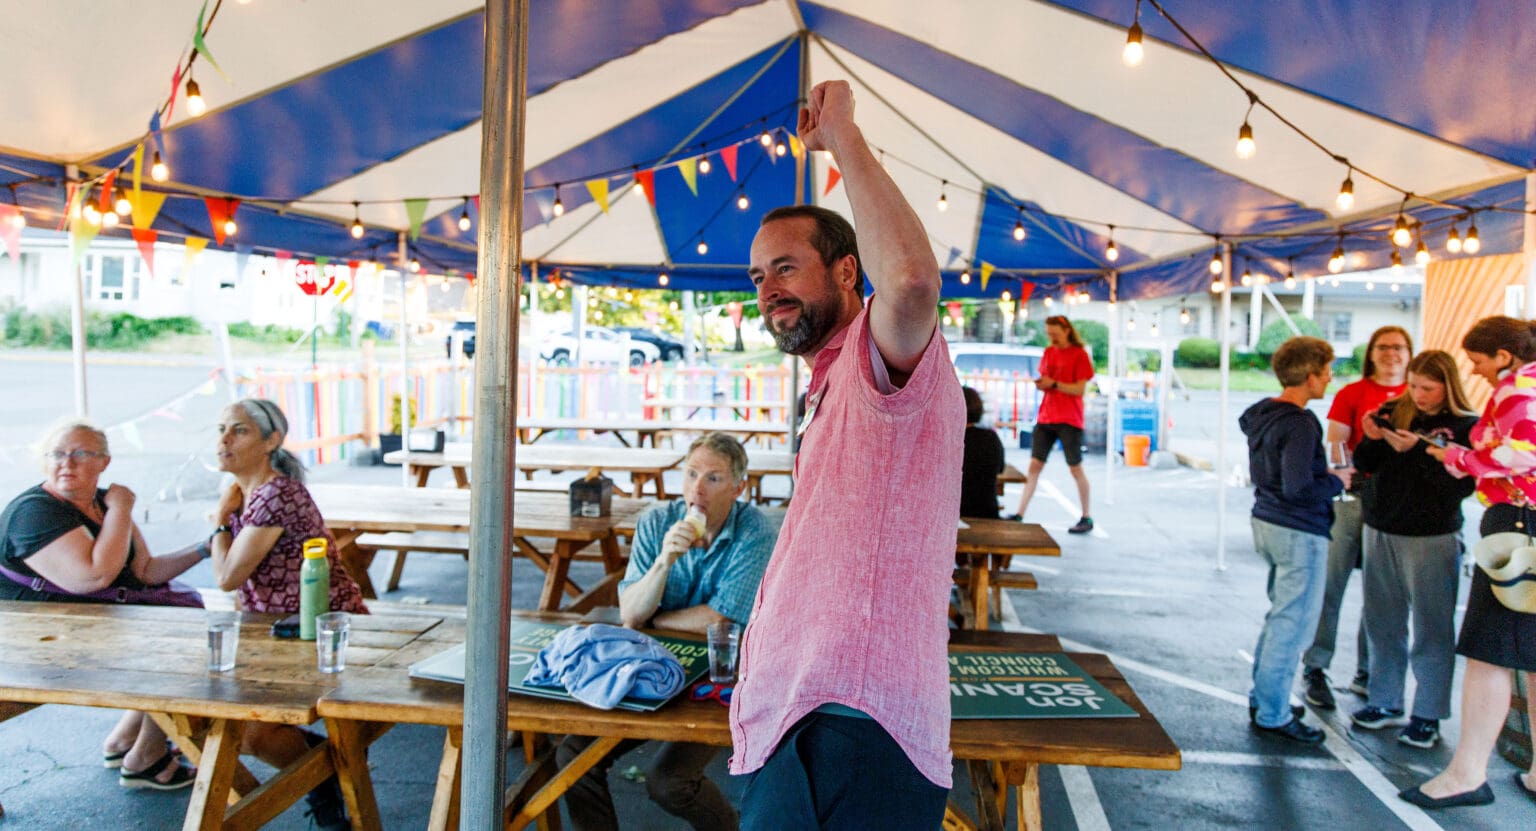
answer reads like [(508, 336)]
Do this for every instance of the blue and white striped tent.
[(1016, 111)]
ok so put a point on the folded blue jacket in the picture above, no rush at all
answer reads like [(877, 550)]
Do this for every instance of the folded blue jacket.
[(600, 664)]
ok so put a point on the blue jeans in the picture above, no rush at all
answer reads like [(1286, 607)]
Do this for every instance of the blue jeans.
[(1297, 575)]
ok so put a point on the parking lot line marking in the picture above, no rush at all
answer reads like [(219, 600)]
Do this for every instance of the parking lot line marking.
[(1084, 798), (1223, 758), (1061, 499)]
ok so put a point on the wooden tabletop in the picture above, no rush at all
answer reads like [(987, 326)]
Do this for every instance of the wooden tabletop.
[(654, 424), (1005, 537), (551, 457), (389, 508)]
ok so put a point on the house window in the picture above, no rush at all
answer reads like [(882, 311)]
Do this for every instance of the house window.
[(1339, 325), (114, 278)]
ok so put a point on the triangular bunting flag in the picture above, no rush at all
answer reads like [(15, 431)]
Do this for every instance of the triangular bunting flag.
[(106, 200), (352, 268), (146, 240), (415, 209), (796, 149), (195, 246), (476, 199), (342, 291), (986, 274), (220, 211), (690, 170), (138, 166), (71, 205), (170, 107), (10, 232), (954, 254), (321, 277), (545, 202), (1025, 290), (832, 177), (282, 257), (242, 259), (728, 155), (599, 190), (202, 48), (646, 181), (146, 206), (154, 130), (80, 235)]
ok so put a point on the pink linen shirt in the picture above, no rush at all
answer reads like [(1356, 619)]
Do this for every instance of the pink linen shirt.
[(853, 608)]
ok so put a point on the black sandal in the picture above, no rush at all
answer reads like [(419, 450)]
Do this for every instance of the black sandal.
[(182, 778)]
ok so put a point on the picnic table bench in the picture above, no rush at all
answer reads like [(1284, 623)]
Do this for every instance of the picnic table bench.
[(645, 466), (530, 430)]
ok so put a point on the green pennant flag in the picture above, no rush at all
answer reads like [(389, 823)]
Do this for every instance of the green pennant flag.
[(200, 46), (415, 211)]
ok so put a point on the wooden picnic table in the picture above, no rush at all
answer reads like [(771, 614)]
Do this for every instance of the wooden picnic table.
[(530, 430), (645, 466), (1001, 753), (351, 510), (989, 545), (154, 658)]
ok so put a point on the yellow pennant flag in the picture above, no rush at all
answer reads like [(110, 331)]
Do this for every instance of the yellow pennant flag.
[(690, 170), (138, 166), (599, 190), (195, 246), (796, 149), (146, 206), (342, 291), (80, 235), (986, 274)]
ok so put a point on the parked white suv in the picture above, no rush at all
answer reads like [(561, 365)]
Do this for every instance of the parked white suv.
[(1004, 375), (599, 346)]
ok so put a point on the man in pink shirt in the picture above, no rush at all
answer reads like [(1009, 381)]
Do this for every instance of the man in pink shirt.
[(841, 711)]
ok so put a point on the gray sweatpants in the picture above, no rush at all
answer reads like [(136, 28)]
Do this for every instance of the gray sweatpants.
[(1416, 575), (1343, 552)]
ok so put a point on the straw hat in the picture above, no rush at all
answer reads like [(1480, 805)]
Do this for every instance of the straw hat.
[(1509, 560)]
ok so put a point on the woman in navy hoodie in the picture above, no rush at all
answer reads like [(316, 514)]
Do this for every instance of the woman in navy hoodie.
[(1292, 513)]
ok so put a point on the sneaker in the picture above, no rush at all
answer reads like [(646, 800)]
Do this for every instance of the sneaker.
[(1318, 693), (1372, 717), (1421, 732), (327, 811), (1361, 684), (1293, 730), (1083, 526)]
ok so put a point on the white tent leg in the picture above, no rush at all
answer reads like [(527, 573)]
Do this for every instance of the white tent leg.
[(405, 358), (1225, 325), (1114, 367)]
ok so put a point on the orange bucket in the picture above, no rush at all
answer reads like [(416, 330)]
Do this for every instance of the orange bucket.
[(1137, 448)]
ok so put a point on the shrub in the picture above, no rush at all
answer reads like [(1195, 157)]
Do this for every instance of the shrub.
[(1277, 332), (51, 329), (1095, 336), (1199, 353)]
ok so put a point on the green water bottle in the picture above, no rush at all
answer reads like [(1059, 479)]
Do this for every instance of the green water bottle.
[(314, 586)]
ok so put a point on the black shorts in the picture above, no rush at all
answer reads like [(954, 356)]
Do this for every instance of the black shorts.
[(1045, 436)]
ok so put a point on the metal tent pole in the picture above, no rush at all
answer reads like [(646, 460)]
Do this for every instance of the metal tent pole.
[(77, 317), (1115, 366), (405, 355), (494, 459), (1225, 324)]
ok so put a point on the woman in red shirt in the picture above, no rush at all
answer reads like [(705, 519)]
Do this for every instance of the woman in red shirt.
[(1064, 375)]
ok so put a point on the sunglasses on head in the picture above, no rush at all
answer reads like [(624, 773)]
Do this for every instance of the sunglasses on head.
[(707, 690)]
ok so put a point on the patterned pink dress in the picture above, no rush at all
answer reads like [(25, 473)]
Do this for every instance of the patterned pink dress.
[(274, 585)]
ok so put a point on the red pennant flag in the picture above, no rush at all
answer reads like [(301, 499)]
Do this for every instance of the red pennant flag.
[(105, 200), (476, 197), (170, 108), (352, 268), (220, 211), (832, 177), (146, 240), (646, 180), (1026, 288), (728, 155)]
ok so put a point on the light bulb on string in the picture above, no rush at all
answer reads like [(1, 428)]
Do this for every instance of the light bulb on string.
[(703, 247), (464, 221), (1133, 52), (109, 219), (1007, 295), (195, 103), (943, 197), (1247, 278), (414, 266), (780, 149), (742, 202), (1453, 242), (18, 220), (1184, 316), (559, 207), (122, 206), (1401, 236), (1421, 251), (230, 227), (1290, 273), (1346, 198), (1370, 285), (89, 212), (159, 171), (1336, 260), (766, 139), (1046, 302), (1245, 146), (663, 279), (1396, 287), (1335, 282), (704, 165), (1130, 324), (1153, 330), (1215, 265), (1472, 244), (1018, 226), (1397, 263), (965, 277), (1218, 286), (357, 222), (1111, 251)]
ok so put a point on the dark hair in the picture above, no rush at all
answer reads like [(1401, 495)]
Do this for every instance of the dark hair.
[(1438, 366), (972, 405), (833, 237), (269, 419), (1489, 335), (1061, 320), (1368, 366), (1299, 358)]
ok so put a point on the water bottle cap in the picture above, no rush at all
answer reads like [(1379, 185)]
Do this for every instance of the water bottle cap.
[(314, 548)]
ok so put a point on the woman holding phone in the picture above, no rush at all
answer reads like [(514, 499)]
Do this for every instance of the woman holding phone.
[(1411, 508), (1501, 457)]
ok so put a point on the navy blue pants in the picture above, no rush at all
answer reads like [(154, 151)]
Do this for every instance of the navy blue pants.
[(839, 772)]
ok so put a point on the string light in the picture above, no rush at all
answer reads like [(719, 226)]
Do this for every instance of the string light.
[(1396, 287), (1154, 331), (965, 277), (1472, 244), (1335, 282), (663, 279), (158, 171), (780, 149), (109, 219), (122, 205), (1336, 261), (1421, 251), (1133, 51), (1370, 286), (1290, 273), (195, 103), (704, 165), (1218, 286), (559, 207), (1453, 242), (1018, 226), (414, 266), (230, 227), (464, 222), (1346, 198), (1130, 324), (1397, 263), (1216, 266), (1401, 236), (1245, 146), (89, 212), (1111, 251), (703, 247), (1247, 278), (943, 198), (766, 139), (741, 201), (1184, 316), (357, 221), (1007, 295), (1046, 302)]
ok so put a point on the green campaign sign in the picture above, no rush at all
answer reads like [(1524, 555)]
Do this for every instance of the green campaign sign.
[(1027, 685)]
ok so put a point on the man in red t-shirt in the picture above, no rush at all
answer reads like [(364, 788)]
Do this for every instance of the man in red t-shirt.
[(1064, 375), (1385, 370)]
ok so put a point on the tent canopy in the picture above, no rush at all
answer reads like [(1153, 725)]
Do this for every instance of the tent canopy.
[(1017, 112)]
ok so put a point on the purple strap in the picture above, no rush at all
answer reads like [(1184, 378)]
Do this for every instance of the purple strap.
[(169, 594)]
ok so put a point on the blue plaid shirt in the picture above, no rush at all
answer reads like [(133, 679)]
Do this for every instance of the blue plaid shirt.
[(725, 575)]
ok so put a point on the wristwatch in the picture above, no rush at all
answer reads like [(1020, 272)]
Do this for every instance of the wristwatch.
[(208, 546)]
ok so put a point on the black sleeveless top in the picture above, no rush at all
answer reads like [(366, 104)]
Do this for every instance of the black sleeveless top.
[(30, 523)]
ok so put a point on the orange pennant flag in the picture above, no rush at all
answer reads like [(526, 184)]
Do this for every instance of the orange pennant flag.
[(146, 240), (599, 190), (690, 170), (986, 274), (832, 177), (645, 180), (146, 206), (728, 155), (221, 213)]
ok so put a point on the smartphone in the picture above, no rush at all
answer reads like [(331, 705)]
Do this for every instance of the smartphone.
[(1438, 441), (1382, 421), (288, 627)]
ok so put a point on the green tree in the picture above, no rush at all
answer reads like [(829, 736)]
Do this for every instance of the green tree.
[(1277, 332), (1096, 336)]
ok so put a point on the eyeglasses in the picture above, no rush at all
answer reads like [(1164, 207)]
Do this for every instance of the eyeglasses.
[(707, 690), (77, 456), (1391, 347)]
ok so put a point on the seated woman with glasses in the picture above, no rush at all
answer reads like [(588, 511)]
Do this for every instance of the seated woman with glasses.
[(68, 541)]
